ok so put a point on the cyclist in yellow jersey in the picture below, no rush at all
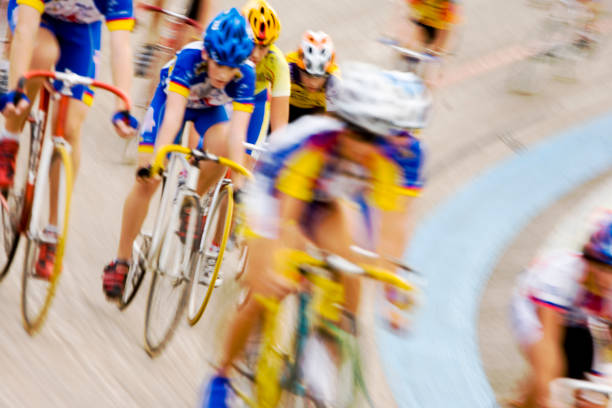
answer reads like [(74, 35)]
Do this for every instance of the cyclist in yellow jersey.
[(311, 67), (272, 83), (431, 23)]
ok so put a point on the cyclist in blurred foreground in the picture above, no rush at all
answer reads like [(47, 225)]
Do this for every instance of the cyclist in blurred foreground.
[(311, 67), (195, 86), (66, 36), (555, 302), (364, 152)]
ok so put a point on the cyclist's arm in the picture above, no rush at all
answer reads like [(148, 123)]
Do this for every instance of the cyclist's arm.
[(280, 92), (547, 353), (290, 232), (22, 46), (173, 119), (279, 112), (395, 228), (121, 62), (238, 126)]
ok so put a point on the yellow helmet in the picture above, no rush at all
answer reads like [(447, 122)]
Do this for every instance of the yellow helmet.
[(264, 22)]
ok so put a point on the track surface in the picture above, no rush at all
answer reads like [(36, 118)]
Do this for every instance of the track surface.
[(88, 353)]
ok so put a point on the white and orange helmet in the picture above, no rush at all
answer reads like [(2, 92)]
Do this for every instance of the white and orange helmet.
[(316, 53)]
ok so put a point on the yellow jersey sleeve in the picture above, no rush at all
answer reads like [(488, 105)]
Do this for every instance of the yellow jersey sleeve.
[(387, 188), (36, 4), (273, 72), (299, 176)]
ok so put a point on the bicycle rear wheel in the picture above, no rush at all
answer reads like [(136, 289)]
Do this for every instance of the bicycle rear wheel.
[(37, 293), (201, 291), (176, 259)]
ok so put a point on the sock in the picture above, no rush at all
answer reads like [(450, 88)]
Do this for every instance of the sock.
[(6, 135)]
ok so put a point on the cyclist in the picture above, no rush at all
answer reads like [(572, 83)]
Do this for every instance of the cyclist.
[(311, 67), (65, 35), (271, 108), (194, 87), (363, 149), (272, 85), (551, 307), (198, 10), (432, 22)]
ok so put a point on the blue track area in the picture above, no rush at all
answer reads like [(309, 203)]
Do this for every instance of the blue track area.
[(457, 247)]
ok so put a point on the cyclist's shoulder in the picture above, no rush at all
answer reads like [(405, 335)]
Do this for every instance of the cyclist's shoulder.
[(247, 72), (555, 271), (292, 57), (274, 60), (308, 132)]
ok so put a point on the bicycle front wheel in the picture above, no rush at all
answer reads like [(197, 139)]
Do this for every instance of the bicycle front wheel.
[(175, 260), (201, 289), (135, 276), (52, 193)]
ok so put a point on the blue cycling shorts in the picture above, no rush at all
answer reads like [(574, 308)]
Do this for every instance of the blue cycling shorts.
[(202, 120), (79, 49)]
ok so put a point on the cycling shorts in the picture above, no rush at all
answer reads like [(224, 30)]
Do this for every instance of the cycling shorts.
[(79, 46), (202, 120), (260, 120)]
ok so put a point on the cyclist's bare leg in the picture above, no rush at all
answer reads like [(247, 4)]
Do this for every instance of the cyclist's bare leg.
[(250, 314), (215, 141), (135, 210), (46, 56)]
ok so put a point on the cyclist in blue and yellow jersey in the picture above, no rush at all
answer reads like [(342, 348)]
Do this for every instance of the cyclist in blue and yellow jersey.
[(362, 151), (64, 35), (272, 84), (311, 67), (195, 86)]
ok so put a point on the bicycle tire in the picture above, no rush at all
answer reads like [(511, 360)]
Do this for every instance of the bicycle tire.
[(10, 234), (193, 314), (154, 348), (137, 271), (33, 323)]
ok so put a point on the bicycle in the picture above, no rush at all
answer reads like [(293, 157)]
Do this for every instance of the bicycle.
[(277, 376), (169, 254), (562, 43), (23, 209), (221, 200), (571, 393)]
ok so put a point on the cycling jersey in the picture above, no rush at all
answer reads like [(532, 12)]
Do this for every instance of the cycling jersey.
[(117, 13), (440, 14), (300, 97), (272, 80), (302, 162), (272, 71), (559, 281), (187, 75)]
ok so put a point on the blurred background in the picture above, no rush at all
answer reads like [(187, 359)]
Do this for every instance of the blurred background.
[(91, 354)]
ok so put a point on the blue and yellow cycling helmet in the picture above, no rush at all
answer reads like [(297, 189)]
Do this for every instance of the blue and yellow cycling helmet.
[(228, 39), (599, 246)]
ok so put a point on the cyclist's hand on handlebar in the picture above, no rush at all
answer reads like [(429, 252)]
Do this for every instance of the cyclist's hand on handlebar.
[(125, 124), (144, 174), (13, 103)]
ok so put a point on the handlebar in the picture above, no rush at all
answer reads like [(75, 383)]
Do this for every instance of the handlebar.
[(181, 18), (158, 164), (337, 263), (71, 79)]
